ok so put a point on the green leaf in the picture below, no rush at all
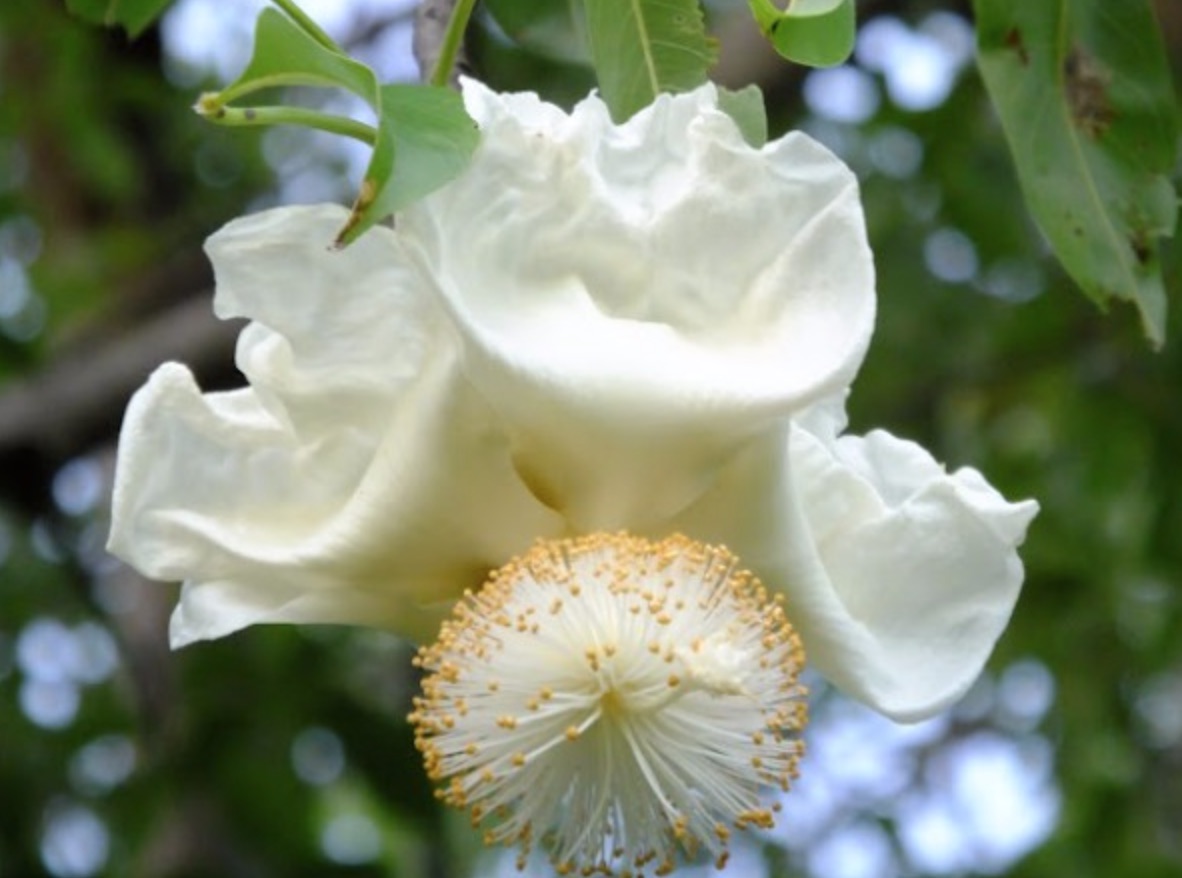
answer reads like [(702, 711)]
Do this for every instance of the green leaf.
[(746, 107), (433, 137), (423, 139), (285, 55), (641, 48), (552, 29), (1084, 95), (133, 15), (818, 33)]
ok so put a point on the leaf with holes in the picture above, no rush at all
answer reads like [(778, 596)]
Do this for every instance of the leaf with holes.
[(1084, 95)]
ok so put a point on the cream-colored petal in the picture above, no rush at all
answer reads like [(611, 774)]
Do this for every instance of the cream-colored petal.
[(332, 332), (923, 561), (299, 499), (898, 576), (638, 301)]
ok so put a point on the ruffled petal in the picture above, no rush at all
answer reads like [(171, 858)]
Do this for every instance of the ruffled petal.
[(372, 495), (637, 301), (899, 576), (332, 332), (922, 565)]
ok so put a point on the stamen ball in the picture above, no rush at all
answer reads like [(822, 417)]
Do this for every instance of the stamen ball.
[(617, 699)]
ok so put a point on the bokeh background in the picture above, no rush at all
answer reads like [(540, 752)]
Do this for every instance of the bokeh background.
[(285, 752)]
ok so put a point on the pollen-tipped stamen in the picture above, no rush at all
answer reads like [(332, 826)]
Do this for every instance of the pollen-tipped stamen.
[(619, 697)]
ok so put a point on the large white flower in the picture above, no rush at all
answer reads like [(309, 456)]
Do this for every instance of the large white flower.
[(647, 327)]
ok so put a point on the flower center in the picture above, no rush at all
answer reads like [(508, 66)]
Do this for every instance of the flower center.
[(616, 698)]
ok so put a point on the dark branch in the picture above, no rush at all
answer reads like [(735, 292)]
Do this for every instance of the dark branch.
[(431, 21)]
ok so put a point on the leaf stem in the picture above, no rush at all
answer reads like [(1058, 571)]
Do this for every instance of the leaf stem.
[(233, 92), (309, 27), (247, 117), (456, 25)]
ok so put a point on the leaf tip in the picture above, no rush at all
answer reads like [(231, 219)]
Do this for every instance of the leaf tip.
[(357, 221)]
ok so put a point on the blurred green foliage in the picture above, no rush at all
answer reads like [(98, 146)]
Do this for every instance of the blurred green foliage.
[(249, 755)]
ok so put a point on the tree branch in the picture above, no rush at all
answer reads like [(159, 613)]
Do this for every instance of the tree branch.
[(431, 19)]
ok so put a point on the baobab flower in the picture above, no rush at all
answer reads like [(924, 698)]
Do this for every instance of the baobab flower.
[(543, 404)]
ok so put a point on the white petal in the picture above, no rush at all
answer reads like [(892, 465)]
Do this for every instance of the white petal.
[(358, 479), (898, 576), (637, 301), (922, 565)]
